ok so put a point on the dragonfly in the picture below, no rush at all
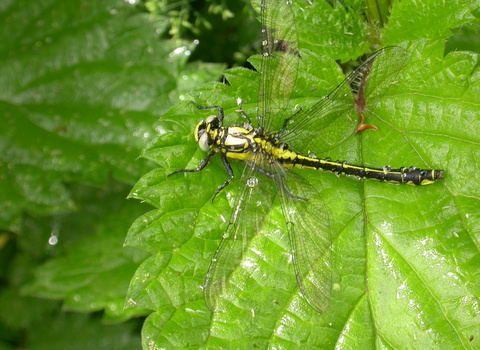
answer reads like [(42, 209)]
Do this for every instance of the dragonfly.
[(281, 141)]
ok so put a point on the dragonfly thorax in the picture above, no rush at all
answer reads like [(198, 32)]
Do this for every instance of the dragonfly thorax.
[(236, 142)]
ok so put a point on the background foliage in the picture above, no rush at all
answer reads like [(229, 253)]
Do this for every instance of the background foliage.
[(86, 85)]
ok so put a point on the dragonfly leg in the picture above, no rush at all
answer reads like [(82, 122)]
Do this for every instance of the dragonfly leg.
[(362, 127), (202, 165), (285, 122), (244, 115), (220, 110), (242, 112), (230, 172)]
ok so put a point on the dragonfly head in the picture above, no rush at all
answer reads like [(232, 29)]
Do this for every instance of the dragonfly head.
[(205, 132)]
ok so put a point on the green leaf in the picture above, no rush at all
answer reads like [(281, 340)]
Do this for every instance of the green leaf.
[(81, 83), (411, 20), (77, 331), (464, 39), (406, 259), (93, 274), (343, 33), (20, 311)]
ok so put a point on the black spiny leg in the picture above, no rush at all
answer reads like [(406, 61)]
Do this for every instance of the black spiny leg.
[(287, 120), (242, 112), (220, 110), (244, 115), (202, 165), (230, 172)]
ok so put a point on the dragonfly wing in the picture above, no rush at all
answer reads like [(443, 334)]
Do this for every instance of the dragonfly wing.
[(310, 237), (253, 203), (333, 119), (325, 125), (279, 66), (382, 70)]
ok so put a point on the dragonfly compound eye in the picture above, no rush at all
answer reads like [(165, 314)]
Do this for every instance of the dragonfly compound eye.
[(210, 119), (204, 141)]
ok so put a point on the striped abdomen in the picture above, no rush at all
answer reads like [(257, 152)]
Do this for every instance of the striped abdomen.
[(409, 176)]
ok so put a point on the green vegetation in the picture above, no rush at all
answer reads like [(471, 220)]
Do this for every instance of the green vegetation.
[(88, 86)]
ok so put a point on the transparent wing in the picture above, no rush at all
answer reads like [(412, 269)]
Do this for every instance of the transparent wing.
[(279, 67), (333, 119), (308, 229), (379, 72), (310, 237), (252, 206)]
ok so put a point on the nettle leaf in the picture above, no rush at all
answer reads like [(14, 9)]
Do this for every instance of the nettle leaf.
[(92, 273), (82, 84), (338, 32), (430, 19), (77, 331), (406, 259)]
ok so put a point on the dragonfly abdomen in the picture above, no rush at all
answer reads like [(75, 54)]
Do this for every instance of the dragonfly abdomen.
[(404, 175)]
